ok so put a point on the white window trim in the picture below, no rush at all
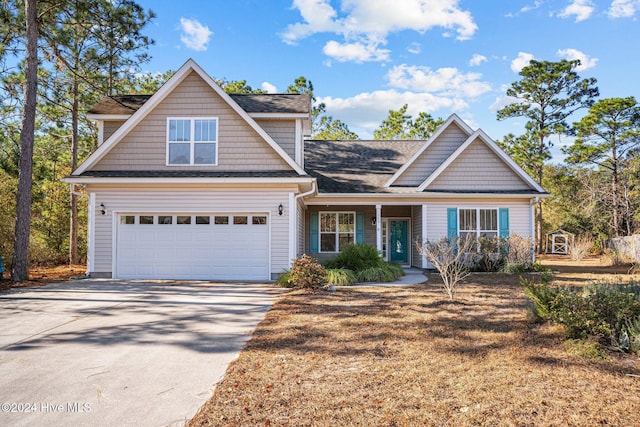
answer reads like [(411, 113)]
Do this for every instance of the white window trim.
[(192, 142), (478, 230), (337, 232)]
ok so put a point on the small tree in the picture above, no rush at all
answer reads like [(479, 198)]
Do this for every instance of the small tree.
[(448, 258)]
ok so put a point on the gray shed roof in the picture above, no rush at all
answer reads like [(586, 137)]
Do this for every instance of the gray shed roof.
[(251, 103)]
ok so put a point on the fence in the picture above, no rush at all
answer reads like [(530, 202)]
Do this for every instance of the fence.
[(629, 246)]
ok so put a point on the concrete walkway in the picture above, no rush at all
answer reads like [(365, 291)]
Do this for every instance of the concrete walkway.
[(108, 353), (412, 276)]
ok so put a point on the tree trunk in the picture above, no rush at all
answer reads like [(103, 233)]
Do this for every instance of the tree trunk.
[(20, 264), (73, 217), (614, 193), (539, 207)]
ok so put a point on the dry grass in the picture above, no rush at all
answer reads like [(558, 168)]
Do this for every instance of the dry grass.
[(409, 356), (39, 276)]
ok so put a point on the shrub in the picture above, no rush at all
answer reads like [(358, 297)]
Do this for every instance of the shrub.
[(608, 313), (355, 257), (283, 280), (306, 272), (580, 247), (447, 256), (613, 257), (365, 264), (341, 277)]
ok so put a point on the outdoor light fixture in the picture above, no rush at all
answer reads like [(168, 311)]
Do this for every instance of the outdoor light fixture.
[(280, 209), (103, 211), (373, 220)]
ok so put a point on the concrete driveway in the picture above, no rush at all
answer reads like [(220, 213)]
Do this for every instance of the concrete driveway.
[(106, 353)]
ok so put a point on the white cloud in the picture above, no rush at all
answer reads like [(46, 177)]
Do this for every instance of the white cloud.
[(368, 22), (356, 52), (319, 17), (526, 8), (477, 59), (521, 61), (269, 88), (623, 8), (194, 35), (582, 9), (443, 81), (414, 48), (364, 112), (585, 61)]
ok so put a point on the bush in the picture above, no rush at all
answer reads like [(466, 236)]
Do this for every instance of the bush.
[(283, 280), (580, 247), (366, 265), (341, 277), (608, 313), (306, 272), (356, 257)]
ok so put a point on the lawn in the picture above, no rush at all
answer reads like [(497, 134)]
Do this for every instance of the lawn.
[(409, 356)]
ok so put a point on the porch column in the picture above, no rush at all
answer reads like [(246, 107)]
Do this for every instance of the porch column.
[(379, 228), (425, 263)]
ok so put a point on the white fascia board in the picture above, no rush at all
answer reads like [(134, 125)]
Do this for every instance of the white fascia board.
[(480, 134), (408, 198), (444, 165), (508, 160), (136, 117), (106, 117), (453, 118), (279, 115), (160, 95), (195, 180)]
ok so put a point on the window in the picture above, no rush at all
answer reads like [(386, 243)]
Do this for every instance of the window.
[(192, 141), (127, 219), (146, 219), (240, 220), (183, 219), (478, 223), (259, 220), (165, 219), (221, 220), (202, 219), (337, 229)]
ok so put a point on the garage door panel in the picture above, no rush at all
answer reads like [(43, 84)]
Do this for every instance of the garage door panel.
[(193, 251)]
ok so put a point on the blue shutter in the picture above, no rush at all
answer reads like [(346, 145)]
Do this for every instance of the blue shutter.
[(503, 214), (314, 234), (452, 223), (360, 227)]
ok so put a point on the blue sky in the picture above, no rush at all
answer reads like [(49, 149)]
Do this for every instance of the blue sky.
[(365, 57)]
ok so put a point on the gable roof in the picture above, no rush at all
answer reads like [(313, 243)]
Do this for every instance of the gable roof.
[(357, 166), (480, 135), (452, 120), (251, 103), (161, 94)]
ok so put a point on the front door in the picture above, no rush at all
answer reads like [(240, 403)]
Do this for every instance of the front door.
[(399, 241)]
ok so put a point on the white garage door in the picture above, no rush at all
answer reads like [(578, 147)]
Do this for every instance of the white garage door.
[(193, 246)]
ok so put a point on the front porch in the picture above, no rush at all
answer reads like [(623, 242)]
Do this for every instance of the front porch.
[(393, 229)]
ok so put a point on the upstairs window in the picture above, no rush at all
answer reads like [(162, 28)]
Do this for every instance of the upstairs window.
[(192, 141)]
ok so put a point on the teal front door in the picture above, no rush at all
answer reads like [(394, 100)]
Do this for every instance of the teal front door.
[(399, 241)]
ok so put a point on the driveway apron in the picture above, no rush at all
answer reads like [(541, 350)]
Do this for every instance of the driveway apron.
[(106, 353)]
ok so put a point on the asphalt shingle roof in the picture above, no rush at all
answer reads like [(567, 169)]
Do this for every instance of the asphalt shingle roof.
[(251, 103), (357, 166)]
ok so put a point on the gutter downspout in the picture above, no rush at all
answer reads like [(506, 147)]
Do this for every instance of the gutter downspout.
[(293, 225), (532, 221)]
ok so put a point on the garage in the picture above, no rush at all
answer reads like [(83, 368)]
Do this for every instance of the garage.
[(192, 246)]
